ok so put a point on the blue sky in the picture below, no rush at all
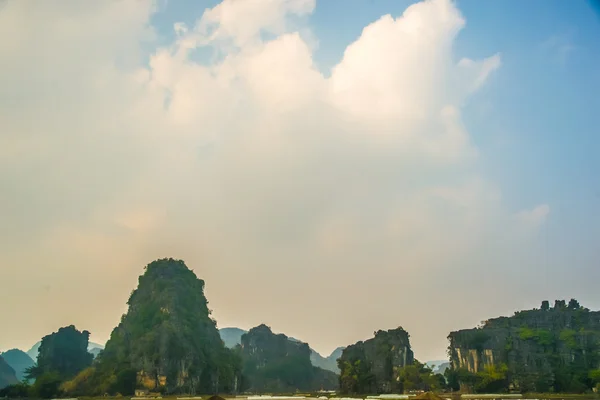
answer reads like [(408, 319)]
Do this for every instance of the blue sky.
[(305, 189), (539, 113)]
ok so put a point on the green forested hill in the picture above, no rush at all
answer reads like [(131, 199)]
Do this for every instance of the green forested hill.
[(167, 341), (273, 363)]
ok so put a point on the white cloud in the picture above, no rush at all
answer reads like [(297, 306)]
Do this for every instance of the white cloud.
[(559, 47), (535, 216), (242, 21), (256, 169)]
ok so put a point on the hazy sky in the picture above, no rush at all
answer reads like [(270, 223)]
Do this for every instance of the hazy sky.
[(329, 168)]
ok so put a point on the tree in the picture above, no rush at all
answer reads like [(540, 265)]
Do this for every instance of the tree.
[(419, 376), (573, 305), (560, 304), (63, 353), (125, 382), (17, 391), (47, 385), (452, 379), (545, 305)]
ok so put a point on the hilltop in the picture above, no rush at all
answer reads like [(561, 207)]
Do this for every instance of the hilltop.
[(233, 336)]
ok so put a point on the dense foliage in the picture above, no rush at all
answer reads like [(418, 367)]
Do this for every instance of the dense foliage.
[(551, 349), (166, 342), (233, 337), (419, 377), (376, 365), (63, 353), (273, 363)]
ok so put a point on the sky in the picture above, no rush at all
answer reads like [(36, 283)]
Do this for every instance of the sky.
[(329, 168)]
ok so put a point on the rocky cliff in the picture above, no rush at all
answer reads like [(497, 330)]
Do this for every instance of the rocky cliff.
[(167, 338), (373, 366), (551, 348), (274, 363)]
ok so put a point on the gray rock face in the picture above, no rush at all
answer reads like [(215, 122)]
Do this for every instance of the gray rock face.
[(543, 349), (376, 362)]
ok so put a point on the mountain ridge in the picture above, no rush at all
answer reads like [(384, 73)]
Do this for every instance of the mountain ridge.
[(232, 336)]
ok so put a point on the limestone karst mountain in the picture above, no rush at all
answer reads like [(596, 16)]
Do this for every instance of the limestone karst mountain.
[(233, 336), (274, 363), (167, 340), (372, 366), (547, 349)]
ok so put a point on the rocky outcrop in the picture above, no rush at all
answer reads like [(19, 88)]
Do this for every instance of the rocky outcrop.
[(372, 366), (168, 338), (540, 350), (274, 363)]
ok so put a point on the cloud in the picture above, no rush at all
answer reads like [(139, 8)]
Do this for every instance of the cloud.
[(560, 47), (536, 216), (298, 197)]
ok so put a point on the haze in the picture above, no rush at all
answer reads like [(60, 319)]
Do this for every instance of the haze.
[(329, 168)]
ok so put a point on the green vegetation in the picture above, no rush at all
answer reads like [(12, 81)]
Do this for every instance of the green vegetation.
[(273, 363), (62, 354), (547, 349), (385, 364), (543, 337), (167, 341), (418, 377)]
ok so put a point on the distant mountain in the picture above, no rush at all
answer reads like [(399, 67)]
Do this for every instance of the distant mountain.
[(19, 362), (328, 363), (337, 353), (435, 363), (33, 352), (7, 374), (95, 351), (233, 336), (440, 369)]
